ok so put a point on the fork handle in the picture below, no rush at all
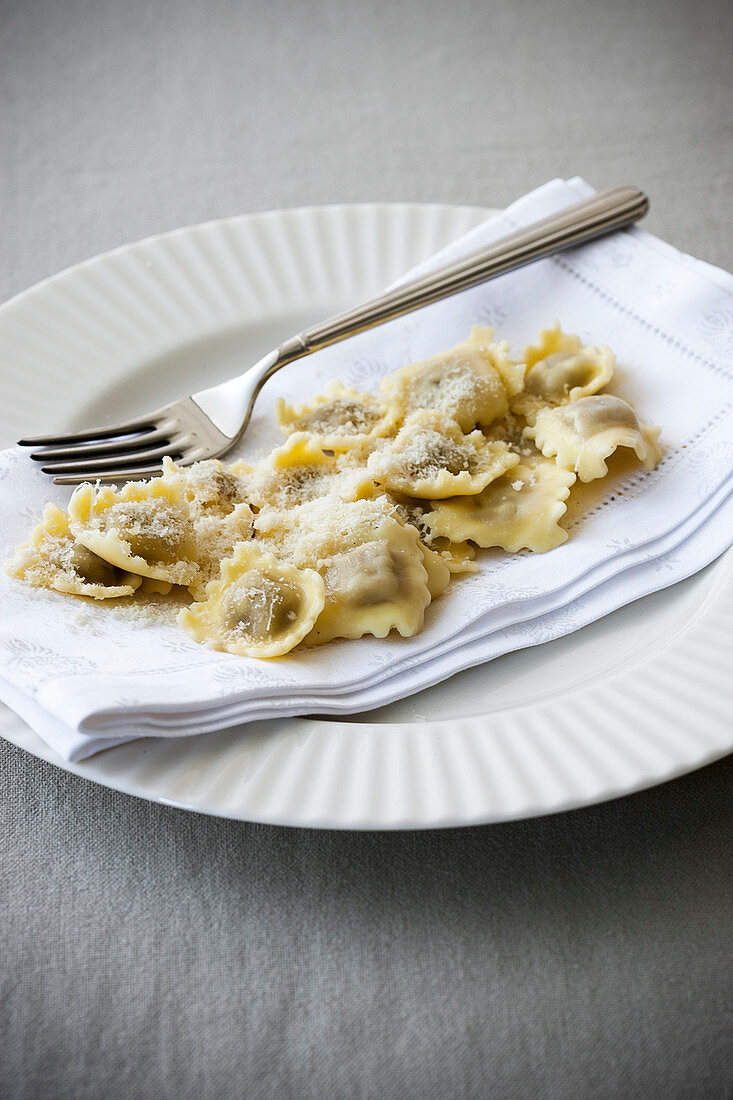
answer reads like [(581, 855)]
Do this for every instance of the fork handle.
[(229, 405), (580, 222)]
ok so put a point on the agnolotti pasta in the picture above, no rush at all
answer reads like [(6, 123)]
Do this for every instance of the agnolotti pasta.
[(145, 528), (52, 558), (260, 606), (376, 587), (432, 458), (560, 370), (340, 420), (521, 510), (301, 470), (582, 435), (472, 383), (362, 517)]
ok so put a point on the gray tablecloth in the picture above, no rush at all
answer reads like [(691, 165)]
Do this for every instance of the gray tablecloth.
[(151, 953)]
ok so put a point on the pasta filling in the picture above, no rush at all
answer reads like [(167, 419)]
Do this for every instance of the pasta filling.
[(259, 607)]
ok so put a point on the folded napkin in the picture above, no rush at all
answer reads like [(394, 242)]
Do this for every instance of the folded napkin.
[(85, 677)]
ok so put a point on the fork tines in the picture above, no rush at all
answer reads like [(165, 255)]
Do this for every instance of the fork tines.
[(126, 451)]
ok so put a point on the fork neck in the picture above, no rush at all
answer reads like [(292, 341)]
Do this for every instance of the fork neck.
[(294, 348)]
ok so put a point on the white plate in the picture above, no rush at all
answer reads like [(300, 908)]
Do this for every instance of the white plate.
[(639, 697)]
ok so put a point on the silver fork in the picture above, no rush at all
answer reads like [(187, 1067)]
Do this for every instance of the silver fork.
[(208, 424)]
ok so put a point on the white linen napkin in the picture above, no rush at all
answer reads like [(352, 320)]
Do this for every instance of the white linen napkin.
[(85, 677), (580, 609)]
